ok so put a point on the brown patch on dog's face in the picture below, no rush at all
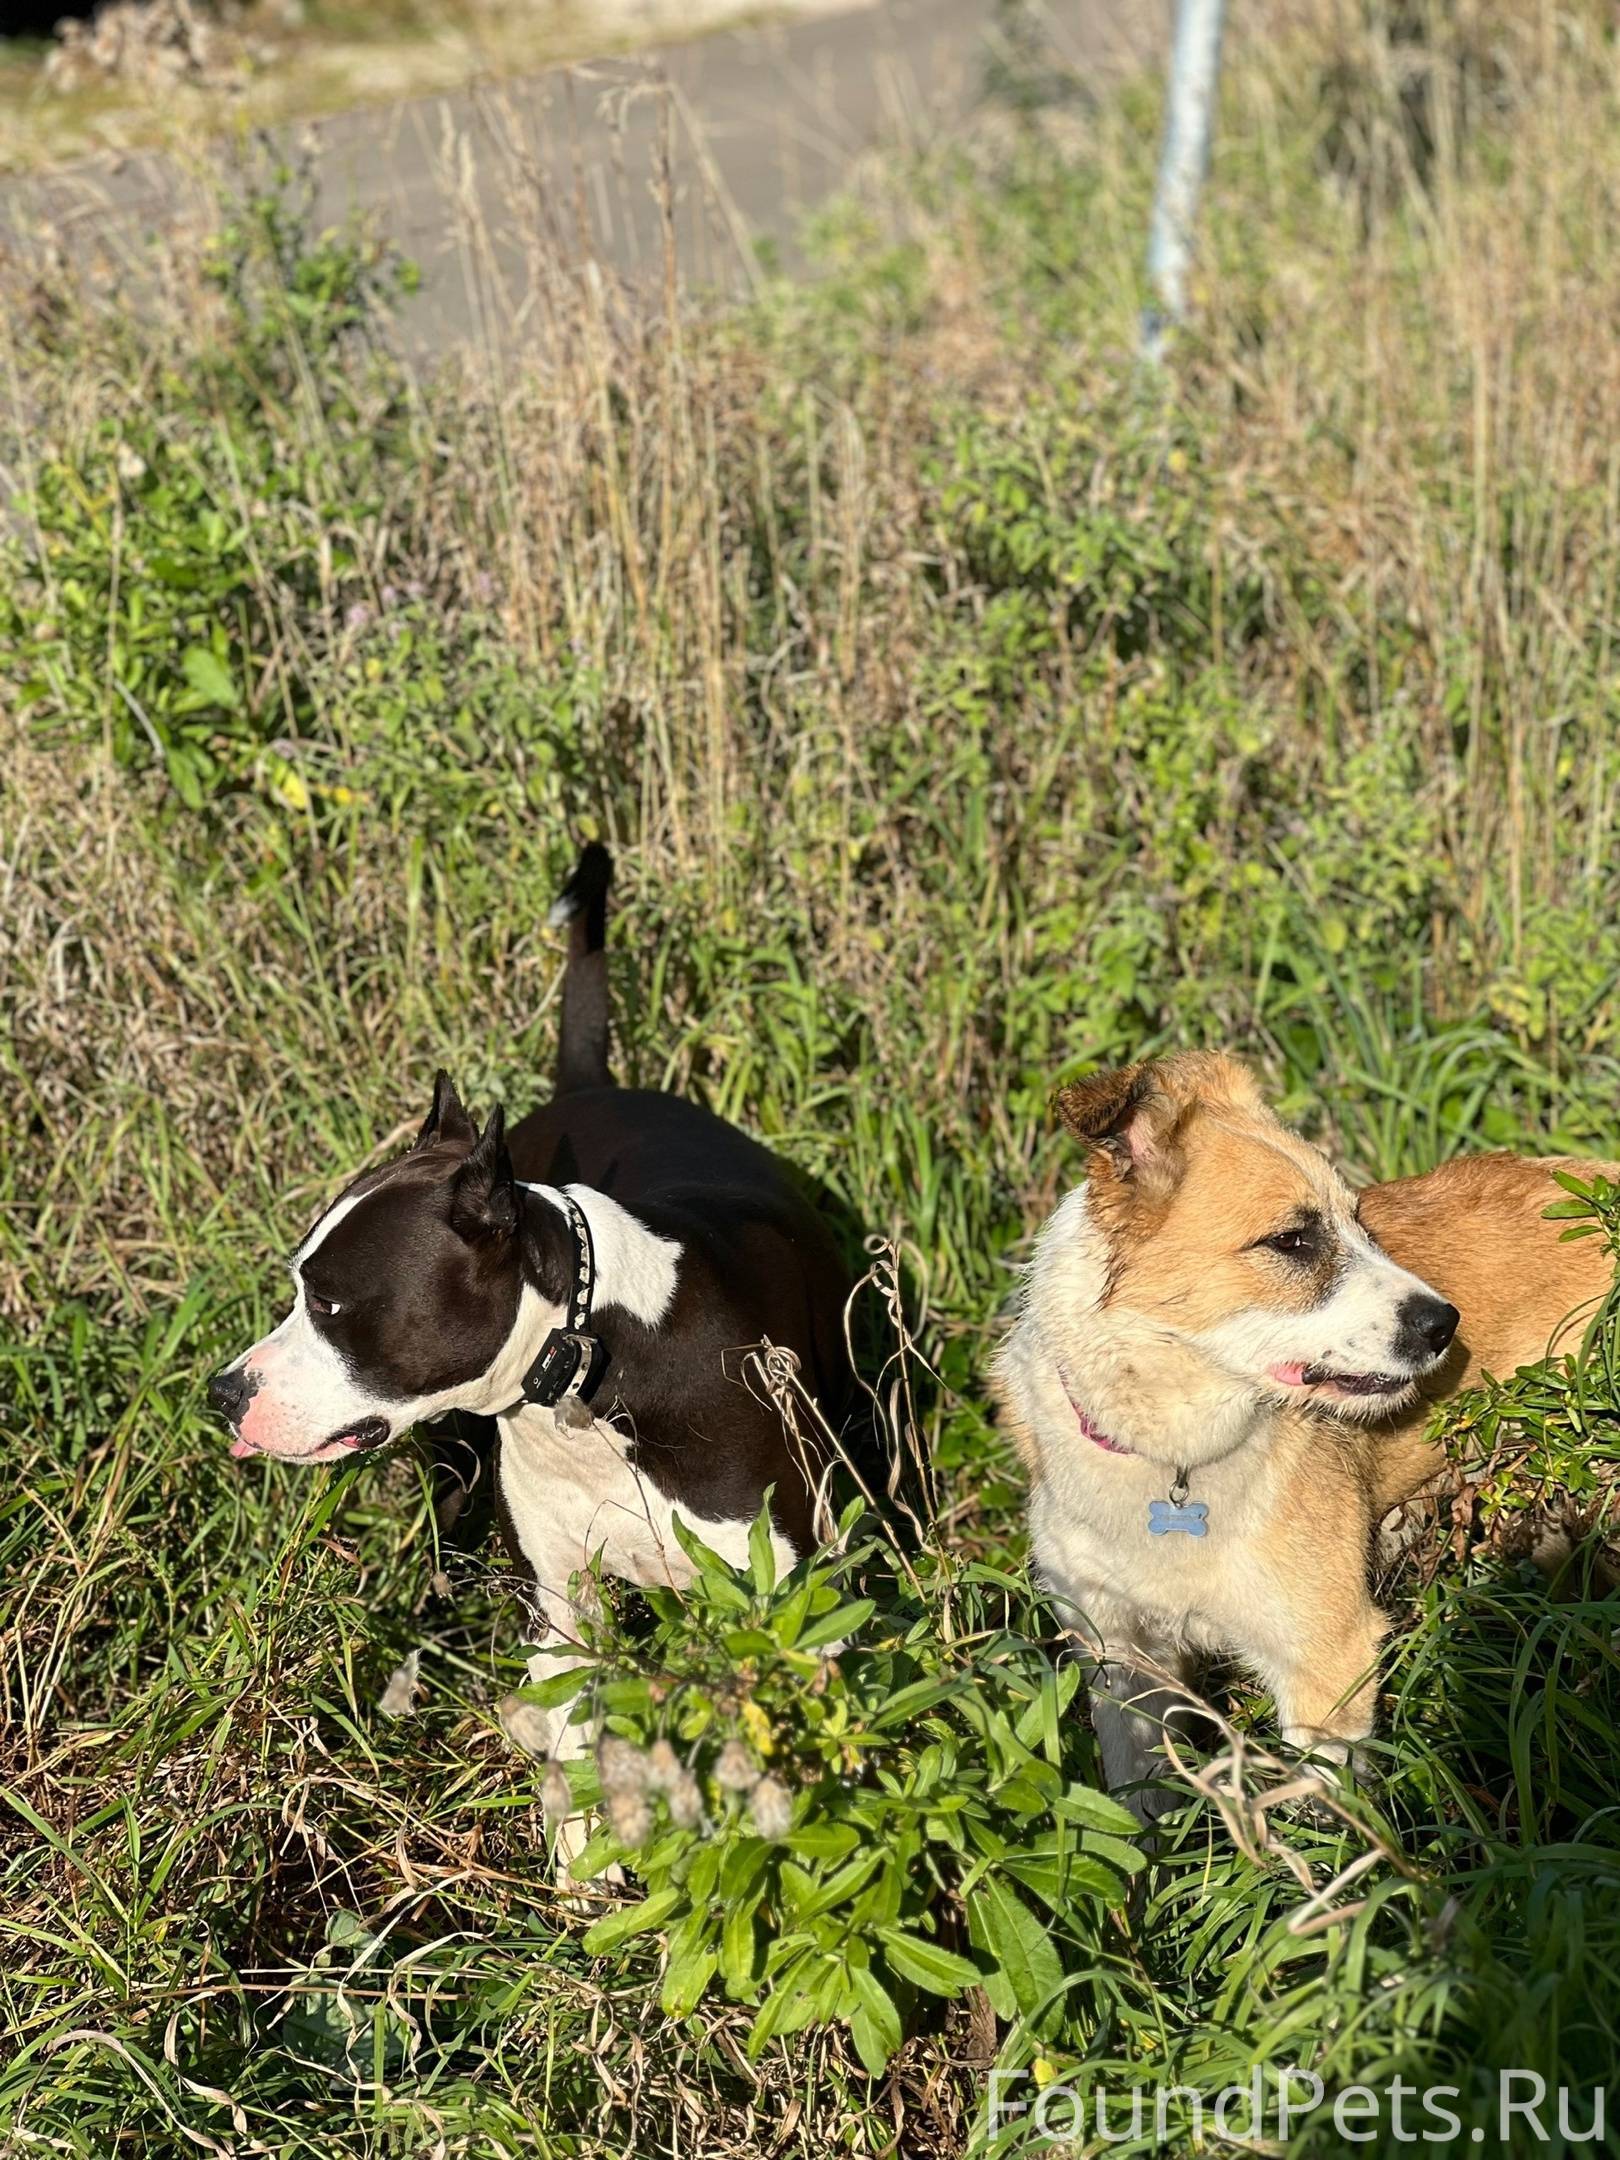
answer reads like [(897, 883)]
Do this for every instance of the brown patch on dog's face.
[(1150, 1127), (1231, 1236), (1250, 1217)]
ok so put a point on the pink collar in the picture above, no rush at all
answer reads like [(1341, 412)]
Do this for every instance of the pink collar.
[(1101, 1439)]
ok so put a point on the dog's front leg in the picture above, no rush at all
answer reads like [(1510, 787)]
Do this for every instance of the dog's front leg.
[(1135, 1672), (1131, 1711), (1327, 1688), (553, 1734), (551, 1526), (1136, 1699)]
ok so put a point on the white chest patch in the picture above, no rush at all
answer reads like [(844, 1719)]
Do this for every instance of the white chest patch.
[(572, 1494), (635, 1269)]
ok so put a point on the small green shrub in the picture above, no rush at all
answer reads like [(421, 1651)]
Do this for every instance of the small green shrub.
[(181, 569), (846, 1792), (1103, 504)]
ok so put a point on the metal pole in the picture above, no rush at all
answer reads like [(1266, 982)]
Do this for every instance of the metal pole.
[(1195, 66)]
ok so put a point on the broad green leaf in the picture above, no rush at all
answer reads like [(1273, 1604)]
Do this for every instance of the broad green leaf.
[(555, 1689), (684, 1984), (999, 1989), (798, 1887), (790, 1616), (1119, 1853), (692, 1963), (823, 1841), (739, 1951), (789, 2007), (843, 1883), (703, 1557), (210, 677), (875, 2026), (838, 1625), (703, 1875), (1002, 1925), (911, 1701), (183, 776), (928, 1964), (879, 1905), (1098, 1811), (1061, 1880), (741, 1867), (719, 1581), (1572, 1182), (616, 1927), (1022, 1796), (1042, 1716), (761, 1554)]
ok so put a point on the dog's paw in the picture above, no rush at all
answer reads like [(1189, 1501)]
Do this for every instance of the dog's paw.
[(1332, 1762), (1325, 1770)]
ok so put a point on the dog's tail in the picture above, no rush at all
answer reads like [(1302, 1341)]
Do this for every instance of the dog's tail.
[(582, 1048)]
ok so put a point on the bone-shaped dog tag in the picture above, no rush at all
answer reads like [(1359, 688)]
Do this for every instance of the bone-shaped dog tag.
[(1192, 1516)]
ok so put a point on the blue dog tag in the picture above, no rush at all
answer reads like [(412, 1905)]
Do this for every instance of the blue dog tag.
[(1164, 1516)]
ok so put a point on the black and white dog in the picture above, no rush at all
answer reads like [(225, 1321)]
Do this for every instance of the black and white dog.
[(598, 1282)]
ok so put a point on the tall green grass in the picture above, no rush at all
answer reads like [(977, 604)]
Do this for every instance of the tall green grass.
[(966, 709)]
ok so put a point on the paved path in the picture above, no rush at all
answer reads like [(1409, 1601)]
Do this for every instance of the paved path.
[(762, 121)]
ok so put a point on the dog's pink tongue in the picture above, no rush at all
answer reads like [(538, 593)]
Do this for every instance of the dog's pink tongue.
[(1289, 1375), (242, 1448)]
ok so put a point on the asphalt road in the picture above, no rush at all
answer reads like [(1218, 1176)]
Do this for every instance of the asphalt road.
[(760, 124)]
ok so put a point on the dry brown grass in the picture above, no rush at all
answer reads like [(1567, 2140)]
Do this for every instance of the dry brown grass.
[(965, 712)]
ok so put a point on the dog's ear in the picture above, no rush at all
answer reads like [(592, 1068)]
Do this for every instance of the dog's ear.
[(484, 1202), (1133, 1119), (1100, 1107), (446, 1120), (1127, 1118)]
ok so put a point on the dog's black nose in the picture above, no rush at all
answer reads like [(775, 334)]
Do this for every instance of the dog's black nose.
[(1425, 1325), (228, 1393)]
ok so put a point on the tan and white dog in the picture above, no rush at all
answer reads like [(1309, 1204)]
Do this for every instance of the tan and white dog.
[(1219, 1375)]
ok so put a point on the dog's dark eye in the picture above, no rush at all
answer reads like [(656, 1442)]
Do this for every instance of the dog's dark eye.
[(1292, 1244), (322, 1307)]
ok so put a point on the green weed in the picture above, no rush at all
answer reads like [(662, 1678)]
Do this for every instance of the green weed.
[(965, 713)]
